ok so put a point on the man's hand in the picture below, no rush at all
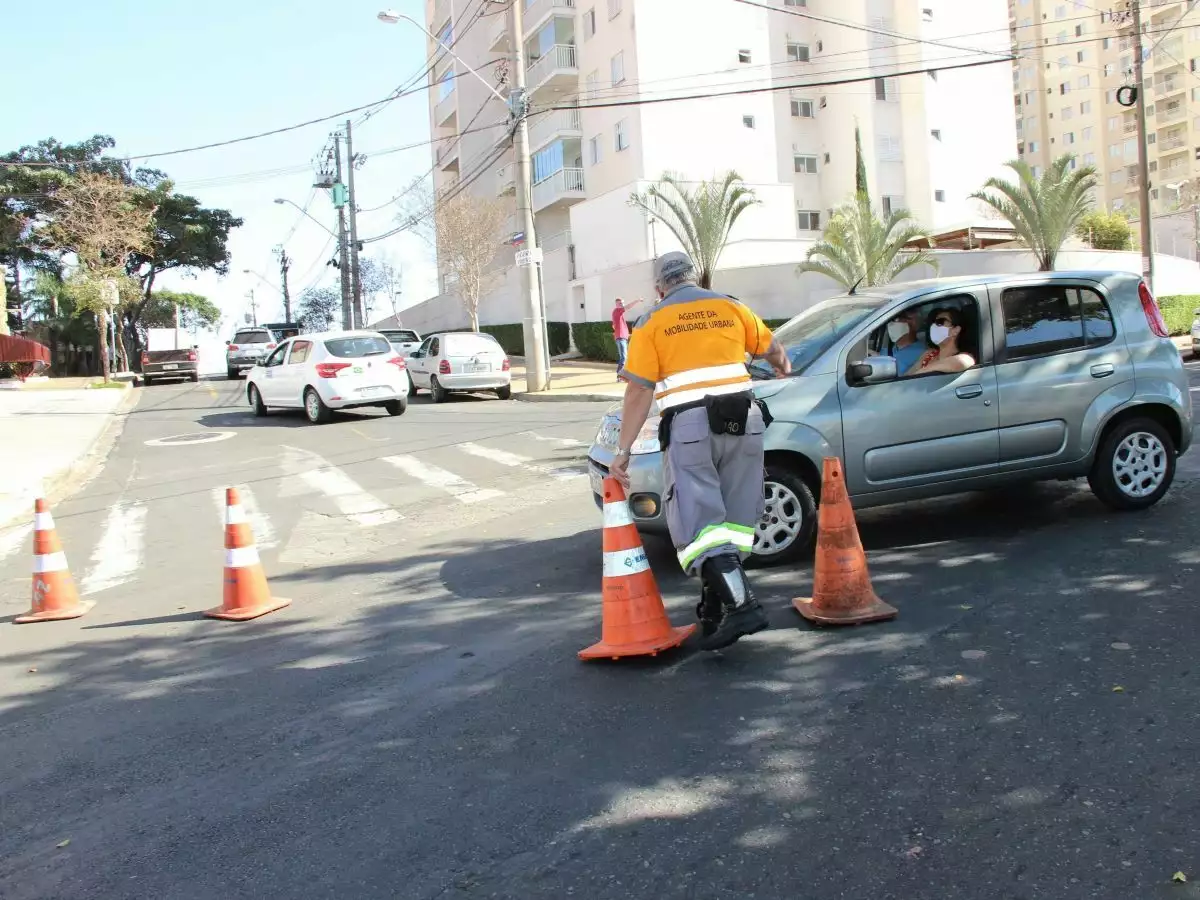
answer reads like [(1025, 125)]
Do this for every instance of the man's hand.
[(786, 369), (620, 471)]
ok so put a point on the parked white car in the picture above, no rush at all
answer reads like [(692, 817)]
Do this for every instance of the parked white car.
[(330, 370), (464, 361)]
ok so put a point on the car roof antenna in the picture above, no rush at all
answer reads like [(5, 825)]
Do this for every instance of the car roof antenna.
[(856, 284)]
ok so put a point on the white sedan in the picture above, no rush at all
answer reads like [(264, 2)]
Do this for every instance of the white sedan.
[(330, 370), (460, 361)]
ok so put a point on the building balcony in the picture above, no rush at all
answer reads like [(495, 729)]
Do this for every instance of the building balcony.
[(1170, 114), (498, 40), (564, 187), (1172, 144), (1155, 4), (538, 11), (1129, 127), (555, 241), (441, 14), (1169, 53), (446, 111), (557, 70), (448, 154), (562, 123), (1169, 86)]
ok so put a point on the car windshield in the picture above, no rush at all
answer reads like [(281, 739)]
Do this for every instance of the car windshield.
[(466, 344), (402, 337), (817, 329), (252, 337), (351, 347)]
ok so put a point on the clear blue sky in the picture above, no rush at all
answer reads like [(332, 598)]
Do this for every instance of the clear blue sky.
[(161, 75)]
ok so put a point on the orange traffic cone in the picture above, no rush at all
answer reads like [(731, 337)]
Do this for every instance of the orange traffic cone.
[(246, 593), (842, 593), (54, 594), (635, 622)]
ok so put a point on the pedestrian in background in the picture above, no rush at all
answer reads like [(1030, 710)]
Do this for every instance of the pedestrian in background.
[(620, 326), (688, 355)]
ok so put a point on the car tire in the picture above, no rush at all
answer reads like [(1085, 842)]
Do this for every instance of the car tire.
[(412, 387), (437, 393), (789, 520), (194, 377), (396, 407), (255, 398), (231, 374), (504, 393), (1135, 465), (147, 381), (315, 409)]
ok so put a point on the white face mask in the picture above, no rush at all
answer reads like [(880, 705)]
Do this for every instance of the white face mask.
[(897, 330), (938, 334)]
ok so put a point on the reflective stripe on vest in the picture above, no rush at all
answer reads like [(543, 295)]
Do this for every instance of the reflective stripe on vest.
[(741, 537)]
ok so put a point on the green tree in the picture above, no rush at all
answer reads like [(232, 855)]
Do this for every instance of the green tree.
[(318, 308), (1105, 230), (195, 312), (859, 248), (700, 217), (1044, 211)]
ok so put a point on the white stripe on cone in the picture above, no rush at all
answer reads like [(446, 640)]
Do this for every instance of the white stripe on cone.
[(625, 562), (617, 514), (240, 557), (50, 562), (43, 521), (235, 515)]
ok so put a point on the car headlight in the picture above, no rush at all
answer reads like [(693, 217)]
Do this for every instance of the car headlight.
[(647, 439)]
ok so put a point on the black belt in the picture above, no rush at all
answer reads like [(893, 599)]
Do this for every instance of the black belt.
[(727, 414)]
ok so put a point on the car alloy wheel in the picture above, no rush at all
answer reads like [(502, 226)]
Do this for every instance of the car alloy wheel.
[(782, 521), (1139, 465)]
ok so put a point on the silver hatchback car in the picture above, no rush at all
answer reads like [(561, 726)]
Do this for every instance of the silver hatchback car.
[(1074, 377)]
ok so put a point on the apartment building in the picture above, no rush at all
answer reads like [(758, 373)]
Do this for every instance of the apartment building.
[(622, 91), (1073, 60)]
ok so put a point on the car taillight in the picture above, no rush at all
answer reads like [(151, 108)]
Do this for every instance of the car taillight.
[(398, 362), (191, 356), (1153, 315), (505, 366), (330, 370), (233, 346), (270, 346), (145, 358), (444, 367)]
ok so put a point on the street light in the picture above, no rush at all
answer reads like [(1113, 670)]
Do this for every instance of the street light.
[(391, 17), (304, 213), (262, 278)]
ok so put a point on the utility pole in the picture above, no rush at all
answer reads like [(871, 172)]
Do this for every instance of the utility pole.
[(343, 259), (1143, 162), (355, 285), (285, 263), (536, 374), (253, 308)]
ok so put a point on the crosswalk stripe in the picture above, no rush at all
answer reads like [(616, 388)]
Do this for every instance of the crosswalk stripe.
[(459, 488), (551, 439), (362, 508), (260, 522), (11, 541), (118, 553), (516, 461)]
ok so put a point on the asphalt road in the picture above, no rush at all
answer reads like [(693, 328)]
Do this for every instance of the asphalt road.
[(416, 724)]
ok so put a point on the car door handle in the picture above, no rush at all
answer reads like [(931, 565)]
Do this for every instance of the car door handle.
[(1103, 370), (966, 392)]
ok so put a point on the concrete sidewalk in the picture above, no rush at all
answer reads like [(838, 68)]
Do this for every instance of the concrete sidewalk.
[(52, 441), (571, 381)]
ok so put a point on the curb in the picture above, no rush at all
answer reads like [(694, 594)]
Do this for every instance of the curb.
[(60, 484), (567, 398)]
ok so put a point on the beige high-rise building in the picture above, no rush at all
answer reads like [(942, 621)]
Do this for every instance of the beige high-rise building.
[(1073, 61), (622, 91)]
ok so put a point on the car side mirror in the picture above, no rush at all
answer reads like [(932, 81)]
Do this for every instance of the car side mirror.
[(228, 343), (874, 370)]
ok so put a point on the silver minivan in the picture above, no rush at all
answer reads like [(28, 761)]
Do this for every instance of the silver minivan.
[(1075, 376)]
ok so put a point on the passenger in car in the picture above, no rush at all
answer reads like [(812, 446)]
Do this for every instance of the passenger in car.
[(945, 355), (904, 342)]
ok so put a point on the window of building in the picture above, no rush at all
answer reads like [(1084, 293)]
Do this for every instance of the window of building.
[(936, 134), (1029, 98), (1118, 204), (1116, 177), (595, 150), (614, 8), (1114, 151), (1085, 81), (1089, 159), (1085, 108), (805, 165), (1152, 166), (621, 135), (1110, 96), (1036, 171), (1069, 137), (885, 89), (797, 52), (589, 23), (1125, 64), (1065, 87), (1114, 122), (743, 56), (1079, 33), (1060, 38), (1033, 146), (1063, 62), (617, 66), (446, 84), (890, 148), (808, 220), (1068, 112), (795, 2), (939, 196), (803, 109), (1060, 12), (891, 203), (748, 121), (1152, 138), (592, 84), (1087, 133), (926, 14), (1054, 318), (1105, 44)]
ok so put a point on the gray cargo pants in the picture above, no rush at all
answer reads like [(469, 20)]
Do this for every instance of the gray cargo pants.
[(713, 487)]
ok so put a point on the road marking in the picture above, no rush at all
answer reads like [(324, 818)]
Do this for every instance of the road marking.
[(10, 541), (516, 461), (550, 439), (260, 522), (119, 551), (362, 508), (459, 488), (188, 440)]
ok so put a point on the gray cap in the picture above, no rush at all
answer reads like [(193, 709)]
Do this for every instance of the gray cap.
[(672, 265)]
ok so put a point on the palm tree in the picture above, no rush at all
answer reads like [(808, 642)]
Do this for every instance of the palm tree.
[(1044, 211), (859, 248), (700, 217)]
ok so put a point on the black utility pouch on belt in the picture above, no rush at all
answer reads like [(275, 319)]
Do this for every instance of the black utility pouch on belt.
[(727, 414)]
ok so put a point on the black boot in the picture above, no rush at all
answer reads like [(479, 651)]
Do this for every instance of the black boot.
[(741, 614), (708, 611)]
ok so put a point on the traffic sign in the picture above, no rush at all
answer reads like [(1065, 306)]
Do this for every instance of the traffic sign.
[(531, 257)]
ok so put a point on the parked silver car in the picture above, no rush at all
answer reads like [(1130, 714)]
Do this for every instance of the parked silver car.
[(1074, 377)]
